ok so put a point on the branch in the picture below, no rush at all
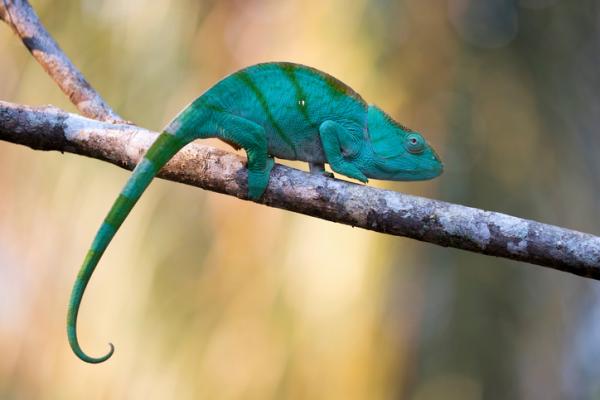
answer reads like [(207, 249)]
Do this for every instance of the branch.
[(441, 223), (19, 15), (437, 222)]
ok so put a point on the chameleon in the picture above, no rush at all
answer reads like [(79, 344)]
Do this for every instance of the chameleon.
[(276, 109)]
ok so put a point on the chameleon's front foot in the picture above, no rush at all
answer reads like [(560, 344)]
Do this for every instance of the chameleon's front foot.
[(258, 180)]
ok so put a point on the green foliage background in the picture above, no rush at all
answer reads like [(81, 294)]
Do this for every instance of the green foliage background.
[(207, 296)]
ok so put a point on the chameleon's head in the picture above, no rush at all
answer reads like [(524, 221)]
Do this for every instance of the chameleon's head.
[(396, 153)]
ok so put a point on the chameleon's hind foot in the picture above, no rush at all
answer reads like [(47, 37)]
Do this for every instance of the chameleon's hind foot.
[(258, 180)]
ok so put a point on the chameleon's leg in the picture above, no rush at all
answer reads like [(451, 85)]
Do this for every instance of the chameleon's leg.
[(319, 169), (339, 144), (251, 137)]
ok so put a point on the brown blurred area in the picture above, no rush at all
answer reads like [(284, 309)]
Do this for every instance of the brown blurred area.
[(207, 296)]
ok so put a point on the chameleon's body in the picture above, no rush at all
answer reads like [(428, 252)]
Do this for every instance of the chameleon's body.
[(271, 110)]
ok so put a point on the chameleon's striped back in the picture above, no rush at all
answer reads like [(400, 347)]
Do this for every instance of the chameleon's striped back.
[(165, 147), (290, 101)]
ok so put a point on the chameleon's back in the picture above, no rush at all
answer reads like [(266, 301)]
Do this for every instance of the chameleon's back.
[(290, 101)]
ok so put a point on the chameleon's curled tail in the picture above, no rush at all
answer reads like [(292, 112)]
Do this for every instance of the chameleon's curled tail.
[(163, 149)]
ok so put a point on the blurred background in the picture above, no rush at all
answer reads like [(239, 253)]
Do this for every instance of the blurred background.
[(206, 296)]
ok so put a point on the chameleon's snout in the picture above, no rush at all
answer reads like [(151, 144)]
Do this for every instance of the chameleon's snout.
[(438, 168)]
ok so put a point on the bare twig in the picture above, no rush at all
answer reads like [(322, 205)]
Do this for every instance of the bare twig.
[(25, 23), (437, 222)]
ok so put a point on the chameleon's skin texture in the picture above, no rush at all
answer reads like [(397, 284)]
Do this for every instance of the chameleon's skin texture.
[(271, 110)]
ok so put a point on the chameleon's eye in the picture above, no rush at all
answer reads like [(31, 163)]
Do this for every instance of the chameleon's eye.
[(415, 143)]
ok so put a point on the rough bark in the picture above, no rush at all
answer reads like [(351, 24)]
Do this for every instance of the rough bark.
[(441, 223)]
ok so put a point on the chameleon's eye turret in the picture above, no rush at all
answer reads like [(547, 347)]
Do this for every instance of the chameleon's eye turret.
[(415, 143)]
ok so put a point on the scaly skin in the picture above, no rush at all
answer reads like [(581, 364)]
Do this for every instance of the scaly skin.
[(282, 110)]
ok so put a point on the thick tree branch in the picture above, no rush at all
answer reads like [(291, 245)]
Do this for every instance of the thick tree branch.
[(437, 222), (19, 15)]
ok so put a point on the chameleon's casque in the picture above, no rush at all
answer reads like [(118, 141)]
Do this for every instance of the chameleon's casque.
[(282, 110)]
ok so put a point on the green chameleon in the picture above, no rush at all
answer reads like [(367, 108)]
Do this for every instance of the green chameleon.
[(282, 110)]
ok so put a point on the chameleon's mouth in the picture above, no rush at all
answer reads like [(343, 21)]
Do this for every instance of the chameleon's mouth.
[(404, 169), (419, 175)]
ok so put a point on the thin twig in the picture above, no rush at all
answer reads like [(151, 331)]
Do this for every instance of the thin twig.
[(441, 223), (25, 23)]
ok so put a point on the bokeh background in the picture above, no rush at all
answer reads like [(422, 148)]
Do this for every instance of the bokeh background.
[(207, 296)]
